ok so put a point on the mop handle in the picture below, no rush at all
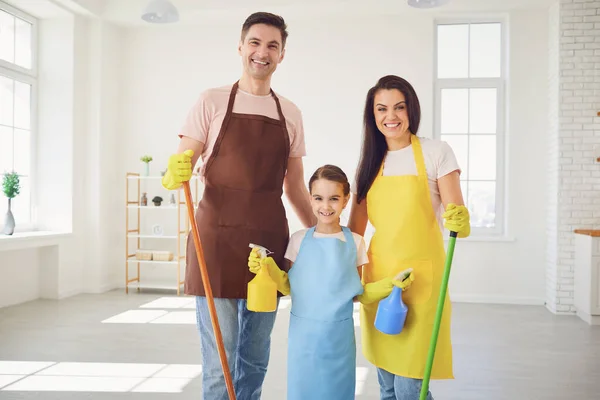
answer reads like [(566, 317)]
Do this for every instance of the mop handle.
[(438, 317), (208, 291)]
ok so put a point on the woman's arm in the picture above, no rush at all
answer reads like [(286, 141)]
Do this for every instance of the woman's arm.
[(358, 216), (450, 191)]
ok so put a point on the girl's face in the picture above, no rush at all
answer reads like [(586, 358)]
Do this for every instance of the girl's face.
[(391, 114), (328, 200)]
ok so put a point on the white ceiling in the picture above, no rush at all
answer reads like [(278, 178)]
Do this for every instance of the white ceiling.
[(127, 12)]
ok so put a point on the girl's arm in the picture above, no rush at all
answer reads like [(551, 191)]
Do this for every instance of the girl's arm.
[(358, 216)]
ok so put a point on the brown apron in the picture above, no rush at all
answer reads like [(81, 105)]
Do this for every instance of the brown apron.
[(242, 201)]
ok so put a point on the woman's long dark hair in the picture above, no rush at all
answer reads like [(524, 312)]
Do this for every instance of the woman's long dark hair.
[(374, 145)]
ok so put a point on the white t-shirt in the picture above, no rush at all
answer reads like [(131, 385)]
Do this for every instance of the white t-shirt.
[(297, 237), (439, 161)]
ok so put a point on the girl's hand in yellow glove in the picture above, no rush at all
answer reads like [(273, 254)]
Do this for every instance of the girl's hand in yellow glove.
[(457, 220), (179, 170), (255, 263)]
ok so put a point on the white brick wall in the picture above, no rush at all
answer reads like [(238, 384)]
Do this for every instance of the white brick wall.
[(553, 156), (574, 137)]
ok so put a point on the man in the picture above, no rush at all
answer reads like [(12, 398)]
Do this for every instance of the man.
[(252, 143)]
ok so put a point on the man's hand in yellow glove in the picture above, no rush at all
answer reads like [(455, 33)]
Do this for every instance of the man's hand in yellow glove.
[(255, 263), (179, 170), (457, 220), (381, 289)]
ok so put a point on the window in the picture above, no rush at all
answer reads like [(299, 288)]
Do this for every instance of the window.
[(17, 100), (469, 92)]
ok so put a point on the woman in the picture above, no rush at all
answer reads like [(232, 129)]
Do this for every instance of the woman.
[(403, 185)]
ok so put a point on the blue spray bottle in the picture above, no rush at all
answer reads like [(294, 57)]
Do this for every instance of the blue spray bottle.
[(391, 312)]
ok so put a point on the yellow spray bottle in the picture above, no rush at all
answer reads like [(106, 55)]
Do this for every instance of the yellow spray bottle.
[(262, 290)]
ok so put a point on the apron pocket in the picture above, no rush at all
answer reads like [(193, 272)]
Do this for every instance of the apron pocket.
[(420, 290)]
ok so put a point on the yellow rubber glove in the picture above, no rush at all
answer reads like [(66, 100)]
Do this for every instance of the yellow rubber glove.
[(382, 288), (255, 263), (179, 170), (457, 220)]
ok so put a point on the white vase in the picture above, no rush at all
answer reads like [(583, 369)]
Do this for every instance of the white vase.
[(146, 169), (9, 222)]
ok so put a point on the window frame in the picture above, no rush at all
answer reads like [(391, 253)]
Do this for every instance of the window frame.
[(500, 84), (28, 76)]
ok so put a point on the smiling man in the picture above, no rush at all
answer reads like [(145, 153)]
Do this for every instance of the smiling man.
[(251, 142)]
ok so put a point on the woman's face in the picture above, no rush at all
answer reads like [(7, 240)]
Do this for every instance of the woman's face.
[(391, 113)]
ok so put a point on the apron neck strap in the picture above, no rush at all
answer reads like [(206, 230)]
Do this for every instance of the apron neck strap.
[(418, 153)]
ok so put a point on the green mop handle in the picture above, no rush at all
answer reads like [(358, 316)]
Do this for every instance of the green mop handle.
[(438, 317)]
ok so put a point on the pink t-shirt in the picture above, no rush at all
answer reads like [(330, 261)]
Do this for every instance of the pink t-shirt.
[(204, 120)]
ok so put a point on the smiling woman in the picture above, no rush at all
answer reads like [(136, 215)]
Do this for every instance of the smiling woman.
[(404, 183)]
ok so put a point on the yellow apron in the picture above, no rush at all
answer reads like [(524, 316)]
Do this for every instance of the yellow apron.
[(407, 235)]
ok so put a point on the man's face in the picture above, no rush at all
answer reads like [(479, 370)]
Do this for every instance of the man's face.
[(261, 51)]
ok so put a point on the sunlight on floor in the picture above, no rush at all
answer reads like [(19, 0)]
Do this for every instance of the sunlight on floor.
[(95, 377), (160, 311)]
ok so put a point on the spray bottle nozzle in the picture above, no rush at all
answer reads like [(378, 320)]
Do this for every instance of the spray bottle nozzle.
[(263, 251)]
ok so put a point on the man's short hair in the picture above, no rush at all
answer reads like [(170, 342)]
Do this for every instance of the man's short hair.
[(267, 19)]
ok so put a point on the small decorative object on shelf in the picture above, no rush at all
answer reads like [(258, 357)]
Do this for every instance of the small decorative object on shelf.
[(146, 160), (162, 255), (172, 199), (11, 188), (143, 255), (144, 200), (157, 230), (157, 200)]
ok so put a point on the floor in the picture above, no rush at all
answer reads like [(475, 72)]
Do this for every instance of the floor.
[(145, 346)]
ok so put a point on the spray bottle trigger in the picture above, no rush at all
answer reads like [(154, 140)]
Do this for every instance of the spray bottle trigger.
[(263, 251)]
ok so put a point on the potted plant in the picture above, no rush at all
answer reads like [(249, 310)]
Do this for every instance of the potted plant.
[(11, 188), (146, 160), (157, 200)]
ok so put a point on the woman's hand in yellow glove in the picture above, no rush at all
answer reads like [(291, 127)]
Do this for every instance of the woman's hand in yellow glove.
[(255, 263), (382, 288), (457, 220), (179, 170)]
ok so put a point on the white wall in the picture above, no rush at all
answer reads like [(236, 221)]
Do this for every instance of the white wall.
[(330, 64), (576, 143), (130, 91), (76, 163)]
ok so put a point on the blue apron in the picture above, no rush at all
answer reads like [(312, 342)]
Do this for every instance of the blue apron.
[(321, 343)]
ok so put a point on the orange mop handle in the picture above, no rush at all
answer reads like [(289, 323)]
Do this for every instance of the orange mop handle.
[(208, 290)]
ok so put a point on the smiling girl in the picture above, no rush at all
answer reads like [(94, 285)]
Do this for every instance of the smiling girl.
[(324, 281)]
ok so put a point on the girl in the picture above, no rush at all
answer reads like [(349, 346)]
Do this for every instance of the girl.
[(403, 182), (324, 280)]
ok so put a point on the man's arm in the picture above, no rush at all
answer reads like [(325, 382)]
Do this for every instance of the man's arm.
[(297, 193), (187, 143)]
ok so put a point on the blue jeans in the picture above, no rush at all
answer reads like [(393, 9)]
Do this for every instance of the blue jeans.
[(394, 387), (247, 342)]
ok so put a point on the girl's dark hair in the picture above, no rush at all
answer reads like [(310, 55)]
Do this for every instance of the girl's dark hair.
[(330, 173), (374, 145)]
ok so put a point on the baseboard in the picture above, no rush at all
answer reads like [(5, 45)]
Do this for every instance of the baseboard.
[(523, 301), (68, 293), (590, 319)]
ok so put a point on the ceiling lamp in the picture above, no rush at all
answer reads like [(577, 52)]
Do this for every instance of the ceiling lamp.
[(160, 12), (426, 3)]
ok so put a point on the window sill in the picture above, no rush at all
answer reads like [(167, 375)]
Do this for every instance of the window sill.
[(24, 240)]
